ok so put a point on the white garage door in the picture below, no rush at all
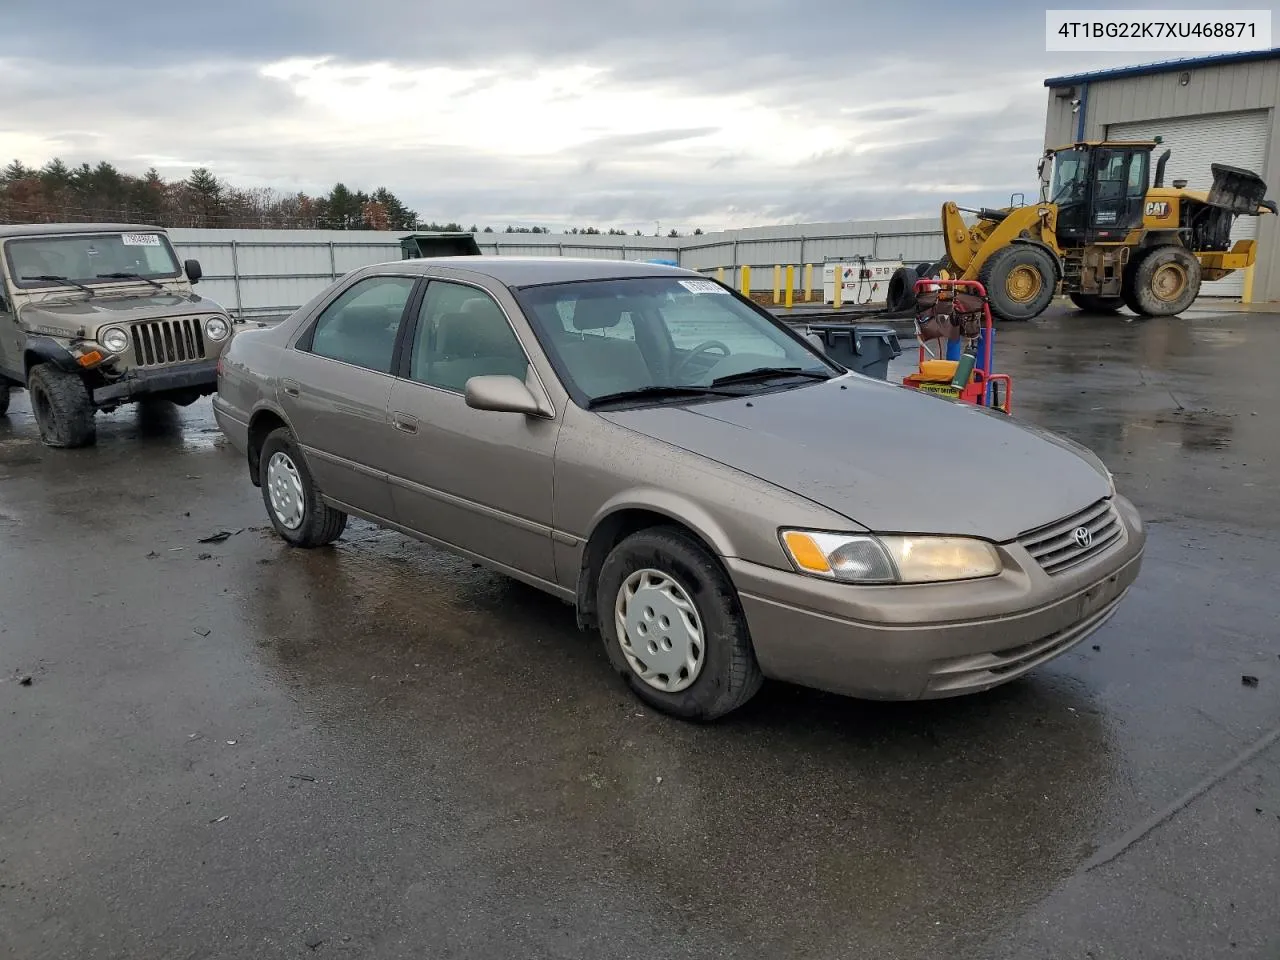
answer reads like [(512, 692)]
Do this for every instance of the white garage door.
[(1239, 139)]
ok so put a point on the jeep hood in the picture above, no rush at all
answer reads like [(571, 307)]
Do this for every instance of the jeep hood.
[(890, 459), (93, 313)]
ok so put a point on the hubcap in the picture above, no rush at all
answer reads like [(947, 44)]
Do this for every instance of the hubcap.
[(1169, 280), (1023, 283), (659, 631), (284, 487)]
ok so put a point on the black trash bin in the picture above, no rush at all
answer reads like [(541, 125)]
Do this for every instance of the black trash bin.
[(864, 348)]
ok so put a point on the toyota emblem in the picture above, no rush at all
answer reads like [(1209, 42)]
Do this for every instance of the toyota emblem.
[(1082, 537)]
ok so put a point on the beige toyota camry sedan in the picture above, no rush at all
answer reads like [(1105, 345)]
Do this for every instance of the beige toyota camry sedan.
[(718, 499)]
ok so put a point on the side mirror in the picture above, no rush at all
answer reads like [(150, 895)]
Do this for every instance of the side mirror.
[(194, 273), (816, 342), (501, 394)]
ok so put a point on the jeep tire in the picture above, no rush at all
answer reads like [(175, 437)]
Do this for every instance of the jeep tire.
[(62, 407)]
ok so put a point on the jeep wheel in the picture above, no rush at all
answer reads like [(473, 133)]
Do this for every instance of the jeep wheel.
[(62, 408), (293, 501), (4, 400)]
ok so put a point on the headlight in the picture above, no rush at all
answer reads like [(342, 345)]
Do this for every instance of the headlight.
[(216, 328), (114, 339), (862, 558)]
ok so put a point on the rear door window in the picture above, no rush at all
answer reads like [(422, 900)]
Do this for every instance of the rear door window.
[(361, 325)]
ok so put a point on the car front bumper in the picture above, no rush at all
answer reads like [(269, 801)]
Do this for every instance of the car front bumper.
[(936, 640), (201, 376)]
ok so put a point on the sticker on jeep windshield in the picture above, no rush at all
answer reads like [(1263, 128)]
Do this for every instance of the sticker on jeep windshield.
[(140, 239), (702, 286)]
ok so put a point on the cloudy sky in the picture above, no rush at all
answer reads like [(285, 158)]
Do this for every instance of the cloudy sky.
[(554, 112)]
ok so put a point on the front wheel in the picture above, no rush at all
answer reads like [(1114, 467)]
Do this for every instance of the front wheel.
[(299, 515), (1020, 281), (1162, 281), (673, 627), (1092, 303), (62, 407)]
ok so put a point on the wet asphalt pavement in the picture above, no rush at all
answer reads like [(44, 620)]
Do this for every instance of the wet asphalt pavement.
[(235, 750)]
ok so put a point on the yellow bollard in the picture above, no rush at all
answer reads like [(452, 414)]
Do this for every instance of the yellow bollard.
[(791, 286), (777, 283), (746, 281), (838, 286), (1246, 295), (808, 282), (720, 274)]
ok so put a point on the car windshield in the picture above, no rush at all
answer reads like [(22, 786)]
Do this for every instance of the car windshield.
[(664, 339), (84, 258)]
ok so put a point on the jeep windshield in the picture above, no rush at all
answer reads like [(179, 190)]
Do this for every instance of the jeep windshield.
[(86, 259), (666, 339)]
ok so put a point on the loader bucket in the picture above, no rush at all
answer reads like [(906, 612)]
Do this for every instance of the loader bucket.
[(1238, 190)]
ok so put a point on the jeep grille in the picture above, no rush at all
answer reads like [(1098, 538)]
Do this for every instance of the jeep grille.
[(157, 342)]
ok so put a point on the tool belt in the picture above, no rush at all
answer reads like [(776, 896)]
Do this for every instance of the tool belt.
[(948, 315)]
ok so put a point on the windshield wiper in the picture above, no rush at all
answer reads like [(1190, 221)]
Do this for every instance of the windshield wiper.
[(130, 276), (769, 373), (656, 392), (55, 278)]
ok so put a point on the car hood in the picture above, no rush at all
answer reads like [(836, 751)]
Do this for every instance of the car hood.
[(891, 459), (93, 313)]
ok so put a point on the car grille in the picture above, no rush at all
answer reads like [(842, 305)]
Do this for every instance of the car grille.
[(1059, 545), (157, 342)]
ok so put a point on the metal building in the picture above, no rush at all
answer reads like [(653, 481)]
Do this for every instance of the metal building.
[(1207, 109)]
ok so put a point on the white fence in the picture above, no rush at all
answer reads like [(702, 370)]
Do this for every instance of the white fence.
[(269, 273)]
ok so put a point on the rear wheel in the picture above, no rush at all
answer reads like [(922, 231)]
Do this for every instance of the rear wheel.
[(1092, 303), (1020, 281), (299, 515), (673, 627), (1162, 281), (62, 407)]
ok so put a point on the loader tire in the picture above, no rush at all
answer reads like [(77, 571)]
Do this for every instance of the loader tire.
[(1092, 303), (902, 290), (1162, 281), (1021, 280)]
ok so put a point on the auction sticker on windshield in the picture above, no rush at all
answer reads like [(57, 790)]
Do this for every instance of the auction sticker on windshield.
[(702, 286), (140, 240)]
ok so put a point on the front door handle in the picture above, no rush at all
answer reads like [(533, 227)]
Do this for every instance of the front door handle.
[(404, 423), (290, 387)]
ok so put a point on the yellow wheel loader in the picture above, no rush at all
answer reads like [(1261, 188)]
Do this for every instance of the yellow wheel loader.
[(1105, 235)]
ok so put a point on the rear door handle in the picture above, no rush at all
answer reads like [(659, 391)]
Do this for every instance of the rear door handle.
[(404, 422), (290, 387)]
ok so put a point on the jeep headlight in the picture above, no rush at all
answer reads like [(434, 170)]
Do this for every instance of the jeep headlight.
[(114, 339), (863, 558), (217, 328)]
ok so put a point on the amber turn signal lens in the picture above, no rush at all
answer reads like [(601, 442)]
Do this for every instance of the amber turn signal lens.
[(807, 554), (90, 359)]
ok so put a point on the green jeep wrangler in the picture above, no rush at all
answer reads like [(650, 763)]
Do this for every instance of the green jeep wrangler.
[(93, 316)]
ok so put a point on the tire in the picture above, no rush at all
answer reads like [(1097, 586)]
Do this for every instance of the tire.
[(902, 290), (1162, 281), (727, 675), (319, 524), (1021, 280), (1092, 303), (62, 407), (4, 399)]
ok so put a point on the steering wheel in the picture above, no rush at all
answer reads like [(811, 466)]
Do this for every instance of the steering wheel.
[(700, 349)]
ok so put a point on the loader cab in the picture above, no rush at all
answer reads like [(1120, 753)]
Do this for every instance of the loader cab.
[(1100, 190)]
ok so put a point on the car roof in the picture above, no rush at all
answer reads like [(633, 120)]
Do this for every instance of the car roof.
[(527, 271), (45, 229)]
